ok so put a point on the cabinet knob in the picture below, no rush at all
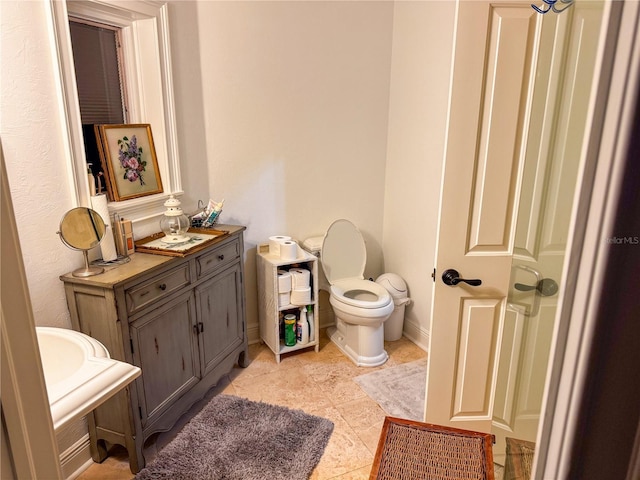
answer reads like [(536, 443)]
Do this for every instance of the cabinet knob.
[(220, 257), (162, 286)]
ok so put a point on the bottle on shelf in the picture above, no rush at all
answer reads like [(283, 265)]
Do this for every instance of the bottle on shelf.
[(290, 330), (302, 327), (310, 320)]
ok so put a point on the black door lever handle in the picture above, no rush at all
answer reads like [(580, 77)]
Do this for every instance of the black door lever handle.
[(545, 287), (452, 278)]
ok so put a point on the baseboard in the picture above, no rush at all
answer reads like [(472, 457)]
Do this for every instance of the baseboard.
[(76, 459), (253, 333), (416, 334)]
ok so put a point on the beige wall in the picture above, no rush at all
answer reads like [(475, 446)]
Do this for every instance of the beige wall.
[(420, 69), (295, 117)]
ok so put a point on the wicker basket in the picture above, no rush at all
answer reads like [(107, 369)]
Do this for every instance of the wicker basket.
[(414, 450)]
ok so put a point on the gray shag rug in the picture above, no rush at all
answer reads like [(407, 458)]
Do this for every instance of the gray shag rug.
[(233, 438), (399, 390)]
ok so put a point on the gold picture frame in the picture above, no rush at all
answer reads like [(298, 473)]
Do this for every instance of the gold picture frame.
[(129, 161)]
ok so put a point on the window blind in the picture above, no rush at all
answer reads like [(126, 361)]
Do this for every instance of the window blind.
[(98, 76)]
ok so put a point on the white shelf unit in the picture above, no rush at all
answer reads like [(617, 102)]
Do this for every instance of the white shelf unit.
[(269, 312)]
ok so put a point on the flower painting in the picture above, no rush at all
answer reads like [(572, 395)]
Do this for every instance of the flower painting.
[(130, 156), (128, 160)]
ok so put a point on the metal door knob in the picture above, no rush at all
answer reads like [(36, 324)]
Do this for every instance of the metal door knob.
[(452, 278)]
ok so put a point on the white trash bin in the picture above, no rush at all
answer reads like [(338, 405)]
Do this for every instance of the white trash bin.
[(397, 288)]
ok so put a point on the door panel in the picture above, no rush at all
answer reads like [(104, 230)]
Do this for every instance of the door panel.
[(479, 324), (507, 72), (571, 122), (536, 348), (506, 382), (219, 310), (165, 348)]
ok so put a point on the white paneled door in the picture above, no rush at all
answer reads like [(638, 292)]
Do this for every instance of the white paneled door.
[(520, 92)]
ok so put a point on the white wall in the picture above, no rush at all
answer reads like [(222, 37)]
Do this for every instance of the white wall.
[(33, 147), (190, 108), (295, 117), (37, 169), (420, 69)]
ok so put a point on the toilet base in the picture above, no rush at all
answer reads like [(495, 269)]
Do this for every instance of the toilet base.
[(346, 338)]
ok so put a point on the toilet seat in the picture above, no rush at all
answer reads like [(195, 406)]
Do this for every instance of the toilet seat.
[(342, 288), (344, 256)]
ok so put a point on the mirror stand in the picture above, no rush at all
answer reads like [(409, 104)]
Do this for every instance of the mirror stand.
[(88, 270), (83, 229)]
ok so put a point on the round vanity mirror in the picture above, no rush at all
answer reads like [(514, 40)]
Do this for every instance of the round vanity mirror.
[(82, 229)]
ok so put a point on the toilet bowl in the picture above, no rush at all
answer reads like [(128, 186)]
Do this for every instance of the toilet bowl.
[(361, 306)]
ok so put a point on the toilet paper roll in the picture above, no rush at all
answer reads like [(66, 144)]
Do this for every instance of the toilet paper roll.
[(288, 250), (274, 244), (301, 296), (284, 299), (284, 281), (108, 243), (300, 278)]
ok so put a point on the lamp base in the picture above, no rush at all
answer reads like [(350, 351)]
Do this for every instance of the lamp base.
[(175, 239)]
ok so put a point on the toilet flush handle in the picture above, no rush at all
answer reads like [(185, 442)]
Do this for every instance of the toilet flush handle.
[(452, 278)]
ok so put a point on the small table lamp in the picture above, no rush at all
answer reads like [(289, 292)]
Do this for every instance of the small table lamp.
[(174, 223)]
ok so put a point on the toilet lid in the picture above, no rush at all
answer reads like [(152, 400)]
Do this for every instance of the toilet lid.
[(344, 254)]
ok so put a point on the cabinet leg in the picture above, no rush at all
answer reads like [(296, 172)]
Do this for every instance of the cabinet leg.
[(97, 447), (136, 454), (243, 359)]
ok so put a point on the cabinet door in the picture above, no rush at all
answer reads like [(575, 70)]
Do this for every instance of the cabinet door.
[(219, 316), (164, 344)]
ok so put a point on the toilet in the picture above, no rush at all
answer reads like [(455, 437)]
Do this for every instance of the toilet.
[(361, 306)]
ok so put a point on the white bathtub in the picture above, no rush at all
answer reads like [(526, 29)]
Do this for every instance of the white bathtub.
[(79, 373)]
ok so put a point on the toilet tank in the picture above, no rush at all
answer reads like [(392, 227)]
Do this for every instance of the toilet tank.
[(325, 317), (313, 245)]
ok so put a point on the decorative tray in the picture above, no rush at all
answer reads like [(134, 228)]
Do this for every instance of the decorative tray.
[(199, 238)]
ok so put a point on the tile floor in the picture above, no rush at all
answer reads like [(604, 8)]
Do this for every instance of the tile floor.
[(318, 383)]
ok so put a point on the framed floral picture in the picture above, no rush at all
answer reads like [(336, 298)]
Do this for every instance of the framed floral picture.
[(128, 160)]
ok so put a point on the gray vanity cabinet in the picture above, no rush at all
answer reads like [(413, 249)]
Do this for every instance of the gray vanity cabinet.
[(180, 319)]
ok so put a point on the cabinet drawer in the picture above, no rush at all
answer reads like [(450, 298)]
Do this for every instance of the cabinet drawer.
[(220, 256), (141, 295)]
